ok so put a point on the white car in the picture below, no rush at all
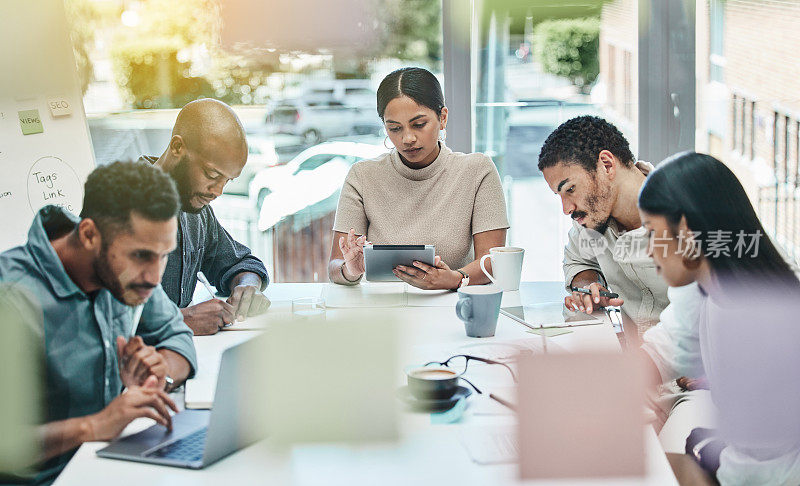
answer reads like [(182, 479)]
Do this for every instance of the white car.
[(312, 176), (317, 120), (349, 92)]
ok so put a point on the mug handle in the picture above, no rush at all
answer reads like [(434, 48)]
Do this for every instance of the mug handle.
[(464, 309), (486, 272)]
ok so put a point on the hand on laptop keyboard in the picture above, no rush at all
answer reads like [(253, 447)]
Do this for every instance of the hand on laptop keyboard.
[(138, 401)]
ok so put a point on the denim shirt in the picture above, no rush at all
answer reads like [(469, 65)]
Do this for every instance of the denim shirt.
[(79, 331), (205, 246)]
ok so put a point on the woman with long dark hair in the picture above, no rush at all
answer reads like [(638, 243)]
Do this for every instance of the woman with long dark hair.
[(421, 192), (731, 292), (705, 193)]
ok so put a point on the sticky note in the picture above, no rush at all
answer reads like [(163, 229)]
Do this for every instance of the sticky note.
[(59, 106), (30, 122)]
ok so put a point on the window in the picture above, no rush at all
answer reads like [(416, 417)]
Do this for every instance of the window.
[(743, 130), (611, 66), (284, 115), (628, 84), (313, 162), (297, 89), (521, 96), (716, 40), (316, 161)]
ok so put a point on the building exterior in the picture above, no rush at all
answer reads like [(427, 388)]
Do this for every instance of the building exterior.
[(748, 95)]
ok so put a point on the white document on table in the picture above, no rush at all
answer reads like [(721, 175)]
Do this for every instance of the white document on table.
[(365, 294)]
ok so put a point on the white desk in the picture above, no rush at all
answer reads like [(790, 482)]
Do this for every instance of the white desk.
[(425, 454)]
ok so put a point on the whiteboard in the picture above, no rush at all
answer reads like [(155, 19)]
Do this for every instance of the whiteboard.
[(45, 148)]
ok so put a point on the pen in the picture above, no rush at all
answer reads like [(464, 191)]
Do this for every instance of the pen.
[(603, 293), (502, 402), (203, 280)]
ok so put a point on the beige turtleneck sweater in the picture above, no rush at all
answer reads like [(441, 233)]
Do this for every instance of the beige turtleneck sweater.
[(443, 204)]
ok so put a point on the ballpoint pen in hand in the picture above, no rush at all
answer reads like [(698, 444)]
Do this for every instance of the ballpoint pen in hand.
[(203, 280), (603, 293), (207, 285)]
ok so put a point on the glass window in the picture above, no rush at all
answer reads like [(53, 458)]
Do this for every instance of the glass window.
[(716, 40), (313, 162), (139, 66), (528, 82)]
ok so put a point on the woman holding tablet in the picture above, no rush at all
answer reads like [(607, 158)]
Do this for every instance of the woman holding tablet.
[(731, 318), (420, 193)]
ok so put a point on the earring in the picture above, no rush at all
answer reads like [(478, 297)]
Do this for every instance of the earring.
[(443, 134), (384, 143)]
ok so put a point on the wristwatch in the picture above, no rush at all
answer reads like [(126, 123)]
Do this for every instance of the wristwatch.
[(169, 382), (464, 279)]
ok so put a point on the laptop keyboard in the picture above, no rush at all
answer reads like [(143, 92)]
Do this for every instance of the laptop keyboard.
[(189, 448)]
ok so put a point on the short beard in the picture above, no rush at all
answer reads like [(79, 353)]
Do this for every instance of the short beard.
[(592, 203), (180, 174), (106, 276)]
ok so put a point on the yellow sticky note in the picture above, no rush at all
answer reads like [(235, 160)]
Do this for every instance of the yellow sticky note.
[(30, 122), (59, 106)]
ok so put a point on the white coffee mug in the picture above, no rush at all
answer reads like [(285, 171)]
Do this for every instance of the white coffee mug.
[(506, 266)]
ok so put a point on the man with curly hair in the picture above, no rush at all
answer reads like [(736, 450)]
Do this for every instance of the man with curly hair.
[(589, 164), (82, 279), (207, 149)]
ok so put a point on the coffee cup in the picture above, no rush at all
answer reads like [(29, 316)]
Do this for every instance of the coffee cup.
[(506, 266), (479, 306), (432, 382)]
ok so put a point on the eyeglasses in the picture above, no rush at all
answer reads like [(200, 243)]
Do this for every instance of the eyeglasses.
[(460, 363)]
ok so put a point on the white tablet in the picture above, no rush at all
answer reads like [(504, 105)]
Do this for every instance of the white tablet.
[(548, 315), (380, 260)]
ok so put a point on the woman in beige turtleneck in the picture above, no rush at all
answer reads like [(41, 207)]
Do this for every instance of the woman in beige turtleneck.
[(419, 193)]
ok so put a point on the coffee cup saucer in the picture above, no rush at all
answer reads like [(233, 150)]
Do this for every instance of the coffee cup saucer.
[(432, 404)]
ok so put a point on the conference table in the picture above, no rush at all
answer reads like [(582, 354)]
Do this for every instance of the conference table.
[(428, 451)]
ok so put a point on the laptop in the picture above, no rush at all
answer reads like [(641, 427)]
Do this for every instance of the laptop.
[(201, 437)]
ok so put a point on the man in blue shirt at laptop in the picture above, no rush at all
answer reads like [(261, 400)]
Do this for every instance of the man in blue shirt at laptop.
[(83, 278)]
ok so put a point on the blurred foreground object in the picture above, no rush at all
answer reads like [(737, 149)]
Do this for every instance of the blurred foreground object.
[(580, 415), (330, 381), (20, 381)]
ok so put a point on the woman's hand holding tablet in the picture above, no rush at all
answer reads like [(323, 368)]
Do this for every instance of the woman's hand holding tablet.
[(427, 277)]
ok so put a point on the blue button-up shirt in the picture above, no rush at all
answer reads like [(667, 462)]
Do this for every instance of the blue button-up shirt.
[(79, 331)]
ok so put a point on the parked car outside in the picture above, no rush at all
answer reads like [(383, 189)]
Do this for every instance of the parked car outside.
[(318, 120), (313, 175), (349, 92)]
